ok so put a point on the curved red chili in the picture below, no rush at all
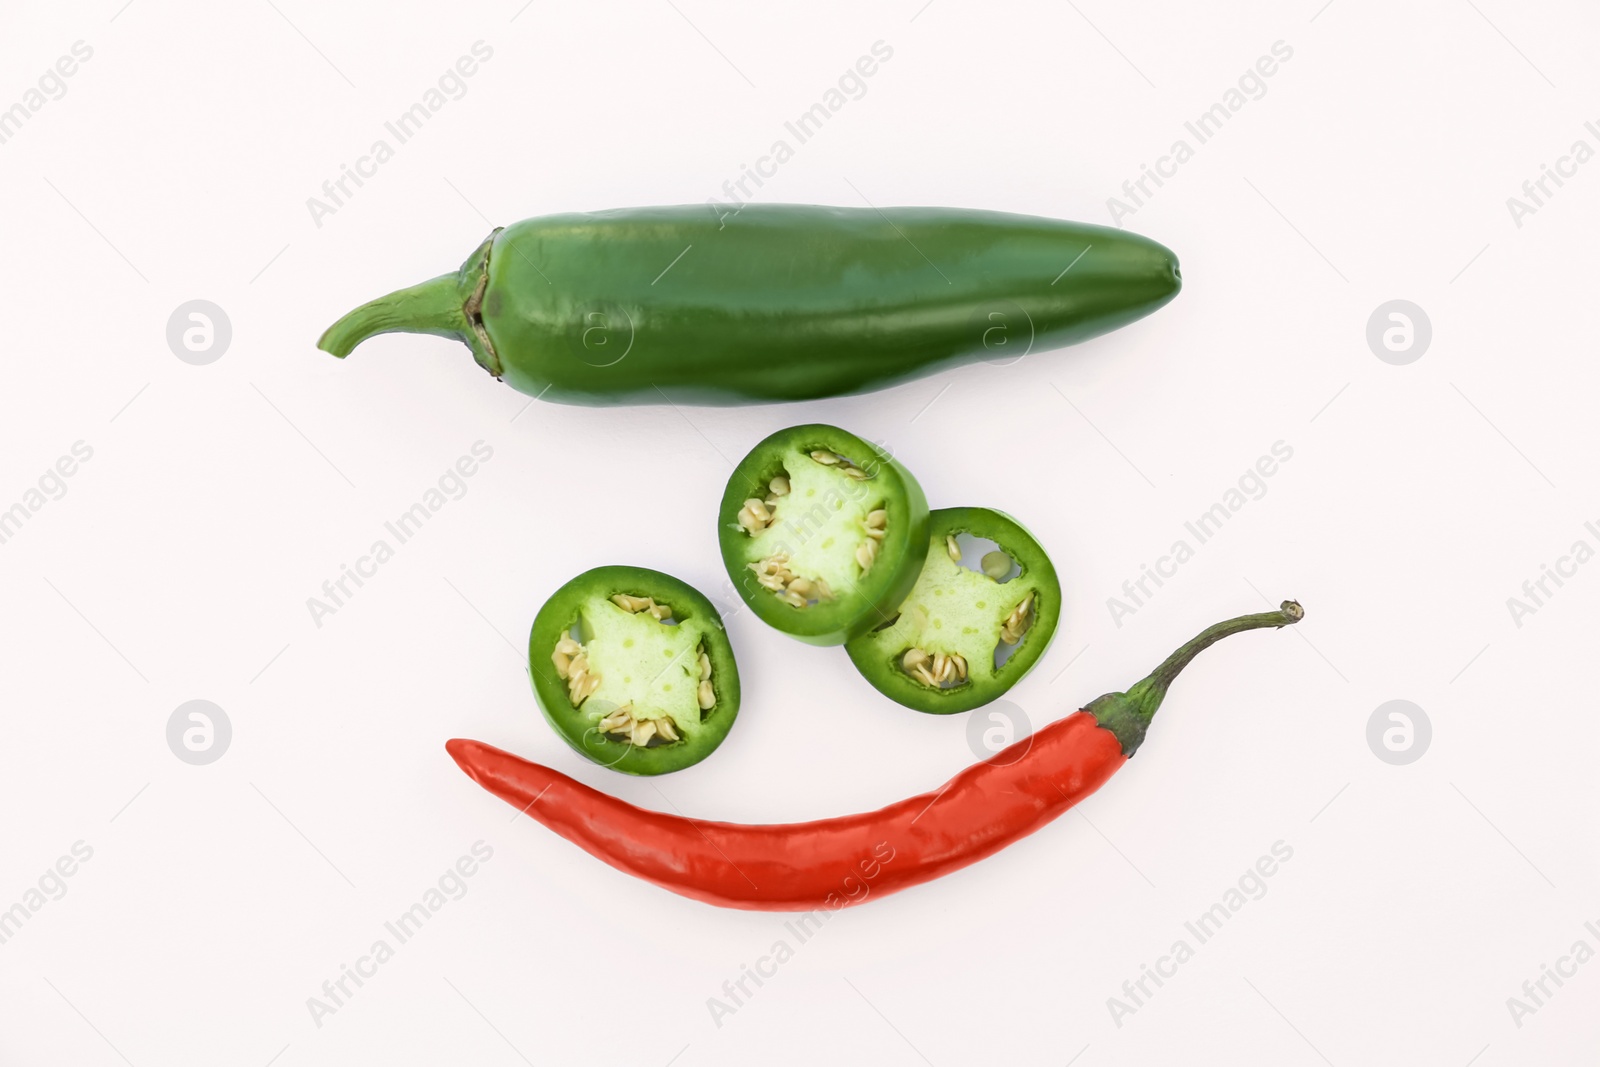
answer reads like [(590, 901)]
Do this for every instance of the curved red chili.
[(833, 863)]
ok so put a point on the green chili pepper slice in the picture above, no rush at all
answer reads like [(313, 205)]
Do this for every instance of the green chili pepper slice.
[(633, 669), (822, 533), (971, 628)]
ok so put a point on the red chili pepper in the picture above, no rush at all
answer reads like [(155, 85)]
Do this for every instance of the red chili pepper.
[(833, 863)]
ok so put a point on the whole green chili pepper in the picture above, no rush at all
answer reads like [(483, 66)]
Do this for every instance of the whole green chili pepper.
[(776, 302)]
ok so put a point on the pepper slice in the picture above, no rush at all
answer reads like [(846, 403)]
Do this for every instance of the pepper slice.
[(634, 670), (822, 533), (965, 635)]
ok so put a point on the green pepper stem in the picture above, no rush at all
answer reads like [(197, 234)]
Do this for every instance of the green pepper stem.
[(434, 306), (1128, 714)]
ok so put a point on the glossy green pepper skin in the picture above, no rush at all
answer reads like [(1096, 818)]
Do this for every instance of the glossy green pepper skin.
[(960, 606), (775, 302), (636, 661), (817, 526)]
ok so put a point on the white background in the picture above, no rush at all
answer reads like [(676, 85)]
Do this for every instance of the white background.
[(219, 498)]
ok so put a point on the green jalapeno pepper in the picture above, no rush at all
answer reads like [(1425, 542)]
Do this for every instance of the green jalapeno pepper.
[(634, 670), (822, 533), (774, 302), (965, 635)]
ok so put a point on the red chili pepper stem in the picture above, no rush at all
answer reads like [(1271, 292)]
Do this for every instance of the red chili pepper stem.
[(1128, 715)]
